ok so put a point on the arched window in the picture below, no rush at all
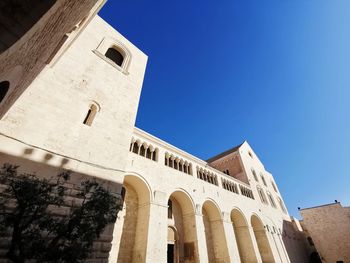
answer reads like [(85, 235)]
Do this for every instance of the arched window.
[(262, 195), (185, 168), (115, 56), (4, 88), (263, 179), (91, 114), (136, 148), (154, 154), (272, 201), (142, 150), (148, 153), (254, 174), (175, 163)]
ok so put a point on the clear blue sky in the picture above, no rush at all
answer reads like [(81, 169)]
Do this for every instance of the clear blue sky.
[(275, 73)]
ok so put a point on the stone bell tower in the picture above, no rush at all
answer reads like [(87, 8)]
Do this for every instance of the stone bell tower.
[(81, 107)]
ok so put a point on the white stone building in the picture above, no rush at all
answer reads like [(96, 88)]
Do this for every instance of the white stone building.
[(79, 114)]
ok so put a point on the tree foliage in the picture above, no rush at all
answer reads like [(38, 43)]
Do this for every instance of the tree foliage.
[(28, 215)]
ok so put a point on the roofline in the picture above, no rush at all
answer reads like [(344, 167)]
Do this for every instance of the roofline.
[(227, 152), (317, 206), (172, 148)]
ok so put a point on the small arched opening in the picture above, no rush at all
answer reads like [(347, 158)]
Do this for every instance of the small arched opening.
[(115, 55), (91, 114)]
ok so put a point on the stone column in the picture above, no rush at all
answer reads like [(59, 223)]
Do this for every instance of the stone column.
[(117, 233), (201, 240), (277, 247), (255, 244), (230, 238), (157, 229)]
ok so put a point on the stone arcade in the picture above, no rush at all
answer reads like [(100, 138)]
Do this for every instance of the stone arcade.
[(79, 114)]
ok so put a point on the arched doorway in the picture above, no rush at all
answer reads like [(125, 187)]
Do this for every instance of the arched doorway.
[(172, 246), (262, 240), (182, 237), (243, 238), (133, 241), (214, 233)]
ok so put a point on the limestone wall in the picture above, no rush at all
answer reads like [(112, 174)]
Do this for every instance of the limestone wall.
[(329, 228), (46, 169), (160, 181)]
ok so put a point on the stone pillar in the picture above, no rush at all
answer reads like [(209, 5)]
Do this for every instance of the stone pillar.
[(201, 240), (157, 229), (255, 244), (277, 247), (230, 238), (117, 233)]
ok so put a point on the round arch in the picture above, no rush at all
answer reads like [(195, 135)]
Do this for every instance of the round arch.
[(140, 185), (243, 237), (261, 239), (212, 209), (185, 199), (181, 217), (134, 234), (217, 248)]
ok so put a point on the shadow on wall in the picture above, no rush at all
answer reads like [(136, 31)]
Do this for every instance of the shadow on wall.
[(41, 168), (17, 17), (298, 248)]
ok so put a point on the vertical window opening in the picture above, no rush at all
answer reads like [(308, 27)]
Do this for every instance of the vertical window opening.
[(263, 179), (175, 164), (254, 174), (170, 209), (149, 153), (142, 150), (154, 155), (90, 116), (136, 148)]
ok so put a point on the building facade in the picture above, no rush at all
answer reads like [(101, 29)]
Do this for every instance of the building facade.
[(79, 114), (328, 229)]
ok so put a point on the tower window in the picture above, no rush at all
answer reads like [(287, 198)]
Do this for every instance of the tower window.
[(4, 88), (115, 56), (263, 179), (90, 115), (274, 186), (254, 174)]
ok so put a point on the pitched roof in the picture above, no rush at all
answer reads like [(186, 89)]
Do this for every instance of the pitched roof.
[(234, 149)]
